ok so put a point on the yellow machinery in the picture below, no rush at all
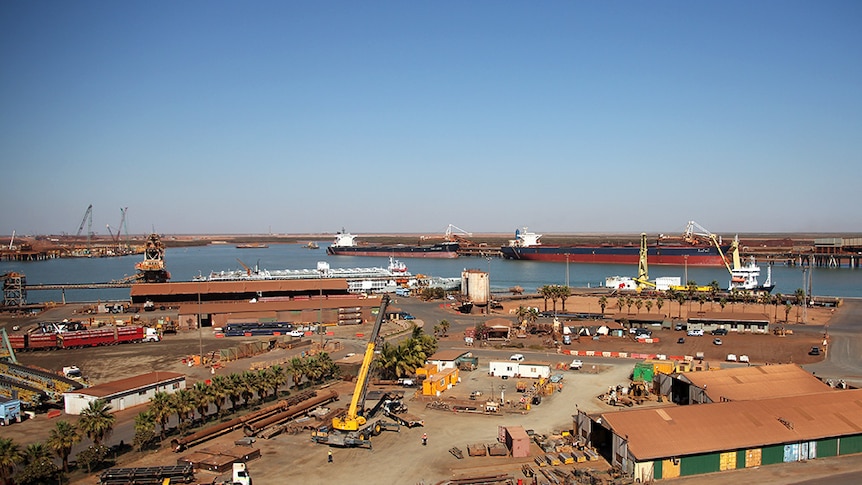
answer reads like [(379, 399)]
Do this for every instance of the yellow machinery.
[(355, 428), (643, 271)]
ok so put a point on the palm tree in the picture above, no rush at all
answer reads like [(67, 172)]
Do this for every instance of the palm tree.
[(184, 406), (659, 302), (621, 302), (603, 302), (545, 291), (648, 305), (277, 378), (629, 303), (10, 455), (765, 299), (145, 429), (296, 369), (444, 326), (722, 303), (564, 292), (63, 437), (247, 380), (787, 309), (162, 408), (328, 367), (201, 398), (96, 421), (701, 299), (638, 304), (776, 300), (680, 298), (38, 467), (799, 296), (218, 392), (532, 316), (234, 389)]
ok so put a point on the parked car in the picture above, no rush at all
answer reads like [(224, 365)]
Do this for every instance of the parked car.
[(731, 357), (695, 333), (680, 340), (814, 351), (719, 331), (517, 357), (743, 358), (716, 341), (679, 326), (576, 364), (296, 333)]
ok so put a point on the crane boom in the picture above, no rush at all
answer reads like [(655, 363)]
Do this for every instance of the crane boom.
[(352, 421)]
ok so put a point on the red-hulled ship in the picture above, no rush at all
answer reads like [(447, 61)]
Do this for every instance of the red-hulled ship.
[(693, 248)]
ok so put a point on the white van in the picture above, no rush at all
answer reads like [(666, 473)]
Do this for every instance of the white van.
[(695, 333)]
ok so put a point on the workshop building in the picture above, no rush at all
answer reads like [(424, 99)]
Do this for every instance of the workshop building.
[(124, 393), (675, 441)]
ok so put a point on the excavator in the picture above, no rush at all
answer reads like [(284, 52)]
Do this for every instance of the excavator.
[(357, 426)]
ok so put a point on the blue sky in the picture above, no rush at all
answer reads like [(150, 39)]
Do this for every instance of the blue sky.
[(296, 117)]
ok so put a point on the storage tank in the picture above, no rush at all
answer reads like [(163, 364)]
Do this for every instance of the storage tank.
[(476, 286)]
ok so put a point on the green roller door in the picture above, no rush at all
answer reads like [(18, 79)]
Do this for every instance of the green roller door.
[(827, 447), (850, 444), (772, 455), (656, 469), (740, 458), (697, 464)]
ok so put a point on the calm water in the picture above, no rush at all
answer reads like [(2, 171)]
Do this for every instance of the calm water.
[(186, 263)]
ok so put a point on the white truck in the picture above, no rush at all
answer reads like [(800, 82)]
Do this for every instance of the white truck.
[(151, 335), (240, 474)]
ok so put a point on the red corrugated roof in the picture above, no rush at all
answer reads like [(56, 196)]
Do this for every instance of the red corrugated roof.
[(128, 384), (447, 354), (756, 382), (275, 306), (214, 287), (685, 430)]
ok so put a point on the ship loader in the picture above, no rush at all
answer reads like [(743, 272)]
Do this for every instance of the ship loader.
[(357, 425)]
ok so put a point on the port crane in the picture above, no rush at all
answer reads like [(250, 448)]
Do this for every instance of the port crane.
[(88, 219), (356, 427), (116, 238)]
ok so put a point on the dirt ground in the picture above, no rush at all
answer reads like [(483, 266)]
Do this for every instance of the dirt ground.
[(400, 457)]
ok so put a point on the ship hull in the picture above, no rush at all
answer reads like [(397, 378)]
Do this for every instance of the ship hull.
[(438, 251), (660, 255)]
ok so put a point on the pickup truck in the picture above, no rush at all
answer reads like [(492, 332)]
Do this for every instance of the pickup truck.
[(576, 364)]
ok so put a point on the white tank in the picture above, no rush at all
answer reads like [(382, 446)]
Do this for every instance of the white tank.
[(475, 285)]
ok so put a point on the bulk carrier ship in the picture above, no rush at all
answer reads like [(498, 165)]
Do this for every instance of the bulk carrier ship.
[(345, 245), (693, 248)]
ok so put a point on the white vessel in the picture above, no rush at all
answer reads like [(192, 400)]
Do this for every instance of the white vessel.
[(744, 277), (359, 280)]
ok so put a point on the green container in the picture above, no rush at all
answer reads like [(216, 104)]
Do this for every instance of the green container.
[(699, 464), (850, 445), (643, 372), (770, 455), (827, 447)]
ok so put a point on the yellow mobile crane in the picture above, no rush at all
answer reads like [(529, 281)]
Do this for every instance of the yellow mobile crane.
[(355, 428)]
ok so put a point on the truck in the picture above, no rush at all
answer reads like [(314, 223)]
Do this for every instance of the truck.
[(10, 411), (357, 426), (83, 338), (240, 474)]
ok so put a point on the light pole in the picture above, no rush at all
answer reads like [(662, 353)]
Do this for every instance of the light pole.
[(488, 301), (200, 330), (567, 270)]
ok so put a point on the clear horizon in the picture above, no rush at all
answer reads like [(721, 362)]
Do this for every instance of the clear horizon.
[(207, 117)]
